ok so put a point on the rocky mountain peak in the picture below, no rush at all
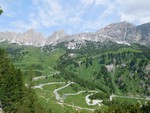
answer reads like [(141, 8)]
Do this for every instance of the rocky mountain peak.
[(122, 31), (31, 37), (32, 33), (8, 36), (58, 35)]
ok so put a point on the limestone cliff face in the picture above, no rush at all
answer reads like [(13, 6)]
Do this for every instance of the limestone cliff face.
[(144, 31), (122, 31)]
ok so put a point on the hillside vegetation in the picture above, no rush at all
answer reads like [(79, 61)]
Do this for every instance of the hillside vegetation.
[(64, 80)]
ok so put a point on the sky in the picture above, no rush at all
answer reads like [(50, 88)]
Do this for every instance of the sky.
[(72, 16)]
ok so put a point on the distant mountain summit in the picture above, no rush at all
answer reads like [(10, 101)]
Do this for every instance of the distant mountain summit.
[(30, 37), (122, 33), (56, 37)]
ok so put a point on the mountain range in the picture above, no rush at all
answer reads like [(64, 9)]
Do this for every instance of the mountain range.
[(121, 33), (83, 72)]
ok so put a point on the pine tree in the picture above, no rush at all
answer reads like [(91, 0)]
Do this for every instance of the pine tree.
[(14, 96), (1, 11)]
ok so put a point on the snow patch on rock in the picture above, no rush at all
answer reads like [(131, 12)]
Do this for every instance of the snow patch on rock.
[(123, 42)]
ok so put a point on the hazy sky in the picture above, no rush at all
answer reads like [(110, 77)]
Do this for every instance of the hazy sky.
[(73, 16)]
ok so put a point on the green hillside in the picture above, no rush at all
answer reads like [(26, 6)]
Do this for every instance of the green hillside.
[(42, 62), (64, 79)]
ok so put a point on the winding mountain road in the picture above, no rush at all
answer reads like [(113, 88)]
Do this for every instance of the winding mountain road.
[(130, 97), (61, 99), (76, 107), (88, 100), (94, 102), (50, 83), (43, 77), (56, 91)]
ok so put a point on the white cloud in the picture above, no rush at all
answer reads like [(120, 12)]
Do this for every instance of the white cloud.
[(47, 12), (87, 1), (101, 2), (125, 17), (144, 19), (96, 2), (134, 10), (51, 13), (101, 20), (22, 26), (7, 9), (44, 14)]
